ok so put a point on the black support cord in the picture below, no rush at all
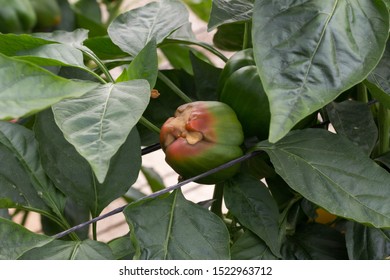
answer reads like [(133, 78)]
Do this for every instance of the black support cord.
[(156, 194)]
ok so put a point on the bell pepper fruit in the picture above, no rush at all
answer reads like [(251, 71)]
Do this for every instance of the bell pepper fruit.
[(240, 87), (202, 135), (16, 16)]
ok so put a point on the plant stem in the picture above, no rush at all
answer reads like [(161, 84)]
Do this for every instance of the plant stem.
[(175, 89), (384, 129), (362, 95), (216, 207), (99, 63), (94, 231), (149, 125), (247, 35), (200, 44)]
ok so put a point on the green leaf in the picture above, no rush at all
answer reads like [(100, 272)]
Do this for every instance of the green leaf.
[(23, 182), (132, 30), (104, 48), (40, 51), (70, 250), (250, 247), (33, 88), (378, 81), (122, 248), (89, 16), (250, 201), (229, 11), (315, 242), (74, 38), (98, 123), (354, 120), (73, 175), (144, 65), (309, 52), (367, 243), (229, 37), (174, 228), (154, 180), (385, 159), (16, 239), (201, 8), (206, 78), (332, 172)]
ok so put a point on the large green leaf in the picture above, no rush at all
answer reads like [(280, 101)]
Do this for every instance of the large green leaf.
[(379, 80), (250, 247), (23, 182), (16, 239), (229, 11), (70, 250), (308, 52), (250, 201), (334, 173), (26, 88), (73, 175), (174, 228), (367, 243), (132, 30), (98, 123), (354, 120)]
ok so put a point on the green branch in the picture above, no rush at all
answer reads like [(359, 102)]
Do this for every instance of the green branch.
[(173, 87)]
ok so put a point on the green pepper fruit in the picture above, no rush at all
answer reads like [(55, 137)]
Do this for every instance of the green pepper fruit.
[(16, 16), (202, 135), (48, 14), (240, 87)]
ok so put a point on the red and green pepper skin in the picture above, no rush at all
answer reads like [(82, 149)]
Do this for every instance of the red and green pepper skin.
[(16, 16), (240, 87), (201, 136)]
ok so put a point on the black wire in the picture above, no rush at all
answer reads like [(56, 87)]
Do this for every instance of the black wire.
[(150, 149), (161, 192)]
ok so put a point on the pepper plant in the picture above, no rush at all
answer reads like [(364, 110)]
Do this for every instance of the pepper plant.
[(307, 80)]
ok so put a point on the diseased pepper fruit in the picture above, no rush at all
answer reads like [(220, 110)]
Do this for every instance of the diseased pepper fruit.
[(202, 135), (16, 16), (240, 87)]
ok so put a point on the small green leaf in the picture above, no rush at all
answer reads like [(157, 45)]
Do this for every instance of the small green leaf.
[(98, 123), (132, 30), (144, 65), (201, 8), (16, 239), (154, 180), (354, 120), (378, 81), (333, 173), (309, 52), (122, 248), (174, 228), (33, 89), (72, 174), (23, 182), (367, 243), (70, 250), (250, 247), (206, 78), (250, 201), (229, 11)]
